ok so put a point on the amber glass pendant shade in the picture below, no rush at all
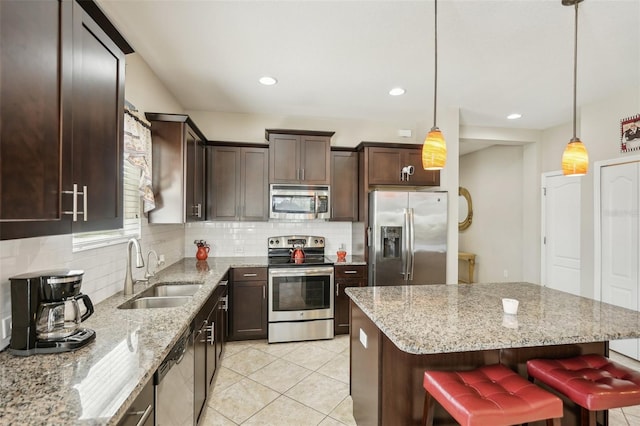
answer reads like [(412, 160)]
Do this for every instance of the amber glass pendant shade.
[(575, 159), (434, 151)]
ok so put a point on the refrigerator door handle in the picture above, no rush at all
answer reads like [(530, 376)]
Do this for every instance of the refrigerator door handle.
[(405, 245), (412, 240)]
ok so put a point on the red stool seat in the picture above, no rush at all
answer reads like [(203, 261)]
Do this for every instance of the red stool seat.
[(591, 381), (490, 395)]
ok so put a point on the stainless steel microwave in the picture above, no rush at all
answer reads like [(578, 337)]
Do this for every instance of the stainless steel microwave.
[(299, 202)]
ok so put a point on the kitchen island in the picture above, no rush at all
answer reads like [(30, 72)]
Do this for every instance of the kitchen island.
[(397, 332), (96, 384)]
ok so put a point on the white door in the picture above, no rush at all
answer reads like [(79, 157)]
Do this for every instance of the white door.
[(620, 227), (561, 233)]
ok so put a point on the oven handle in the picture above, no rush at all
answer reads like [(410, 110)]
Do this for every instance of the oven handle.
[(300, 272)]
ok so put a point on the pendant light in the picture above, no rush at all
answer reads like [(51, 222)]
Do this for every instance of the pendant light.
[(434, 149), (575, 159)]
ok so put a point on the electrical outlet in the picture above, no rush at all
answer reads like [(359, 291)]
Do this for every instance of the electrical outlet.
[(6, 327), (238, 250), (506, 273), (160, 259)]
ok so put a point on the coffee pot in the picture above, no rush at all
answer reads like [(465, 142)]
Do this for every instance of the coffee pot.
[(57, 320)]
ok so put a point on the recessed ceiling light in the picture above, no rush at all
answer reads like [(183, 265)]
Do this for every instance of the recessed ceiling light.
[(514, 116), (268, 81), (396, 91)]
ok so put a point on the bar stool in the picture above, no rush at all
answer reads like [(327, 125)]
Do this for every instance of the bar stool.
[(594, 382), (490, 395)]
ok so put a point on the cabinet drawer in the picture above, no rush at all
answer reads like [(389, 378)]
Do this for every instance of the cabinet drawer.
[(351, 271), (249, 274)]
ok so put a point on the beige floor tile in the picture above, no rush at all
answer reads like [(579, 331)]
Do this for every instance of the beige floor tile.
[(337, 344), (247, 361), (242, 400), (278, 349), (214, 418), (328, 421), (337, 368), (344, 412), (226, 378), (286, 412), (616, 418), (309, 356), (319, 392), (232, 348), (280, 375)]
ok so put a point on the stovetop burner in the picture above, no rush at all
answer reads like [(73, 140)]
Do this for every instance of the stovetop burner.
[(280, 251)]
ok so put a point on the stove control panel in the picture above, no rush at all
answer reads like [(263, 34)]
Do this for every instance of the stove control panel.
[(292, 241)]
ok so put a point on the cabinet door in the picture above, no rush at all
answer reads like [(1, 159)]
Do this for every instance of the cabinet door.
[(384, 166), (254, 187), (98, 114), (35, 71), (194, 176), (200, 371), (344, 186), (224, 183), (315, 160), (249, 310), (420, 176), (284, 164), (221, 327)]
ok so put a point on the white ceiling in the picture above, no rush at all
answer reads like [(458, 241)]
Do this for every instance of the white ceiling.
[(340, 58)]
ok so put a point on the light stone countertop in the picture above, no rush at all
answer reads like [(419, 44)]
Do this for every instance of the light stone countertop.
[(96, 384), (429, 319)]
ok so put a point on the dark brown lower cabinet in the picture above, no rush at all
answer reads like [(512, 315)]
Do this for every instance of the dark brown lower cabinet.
[(346, 276), (248, 304), (209, 339)]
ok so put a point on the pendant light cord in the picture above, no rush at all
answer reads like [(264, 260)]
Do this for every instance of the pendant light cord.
[(575, 69), (435, 79)]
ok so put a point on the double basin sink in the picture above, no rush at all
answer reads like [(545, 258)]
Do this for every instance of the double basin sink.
[(163, 295)]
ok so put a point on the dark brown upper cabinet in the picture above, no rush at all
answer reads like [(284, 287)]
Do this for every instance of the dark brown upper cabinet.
[(61, 106), (344, 184), (178, 169), (299, 156), (237, 182), (381, 164)]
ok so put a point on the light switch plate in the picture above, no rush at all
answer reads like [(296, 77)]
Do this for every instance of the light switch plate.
[(363, 338), (6, 327)]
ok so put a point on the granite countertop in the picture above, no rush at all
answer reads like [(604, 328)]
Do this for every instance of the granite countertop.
[(429, 319), (349, 260), (96, 384)]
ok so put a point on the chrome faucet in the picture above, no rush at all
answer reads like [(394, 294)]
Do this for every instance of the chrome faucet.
[(128, 279)]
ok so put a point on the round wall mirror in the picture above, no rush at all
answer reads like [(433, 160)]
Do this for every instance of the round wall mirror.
[(465, 209)]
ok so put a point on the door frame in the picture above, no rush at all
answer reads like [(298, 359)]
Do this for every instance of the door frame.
[(597, 224)]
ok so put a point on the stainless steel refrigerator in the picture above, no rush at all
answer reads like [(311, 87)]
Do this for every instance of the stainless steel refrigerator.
[(407, 237)]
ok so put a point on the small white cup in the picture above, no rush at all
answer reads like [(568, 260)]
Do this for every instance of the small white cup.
[(509, 321), (510, 306)]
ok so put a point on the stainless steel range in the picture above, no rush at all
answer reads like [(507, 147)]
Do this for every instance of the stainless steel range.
[(300, 289)]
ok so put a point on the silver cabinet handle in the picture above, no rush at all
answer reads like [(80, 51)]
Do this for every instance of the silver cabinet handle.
[(75, 194), (264, 292), (225, 282), (337, 289), (350, 272), (250, 275), (302, 174)]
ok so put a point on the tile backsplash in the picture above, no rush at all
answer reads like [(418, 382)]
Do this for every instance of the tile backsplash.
[(250, 238)]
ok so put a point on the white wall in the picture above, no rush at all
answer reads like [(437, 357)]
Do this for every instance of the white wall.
[(104, 267), (495, 179), (599, 130)]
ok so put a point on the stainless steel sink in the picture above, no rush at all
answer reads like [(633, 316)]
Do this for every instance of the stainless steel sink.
[(171, 289), (156, 302)]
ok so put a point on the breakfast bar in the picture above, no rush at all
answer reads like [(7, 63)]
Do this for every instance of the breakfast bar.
[(397, 332)]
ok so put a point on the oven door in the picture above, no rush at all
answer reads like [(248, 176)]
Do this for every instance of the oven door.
[(300, 293)]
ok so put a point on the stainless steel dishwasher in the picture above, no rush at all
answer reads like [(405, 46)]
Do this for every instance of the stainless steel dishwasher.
[(174, 384)]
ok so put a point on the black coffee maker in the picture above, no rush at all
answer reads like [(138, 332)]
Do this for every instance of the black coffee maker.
[(46, 310)]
